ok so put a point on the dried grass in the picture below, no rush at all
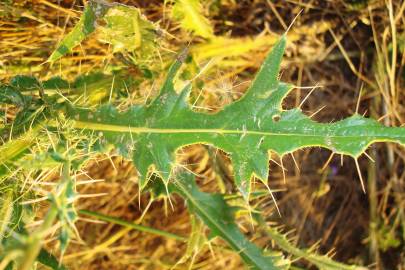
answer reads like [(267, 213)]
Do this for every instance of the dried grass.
[(326, 208)]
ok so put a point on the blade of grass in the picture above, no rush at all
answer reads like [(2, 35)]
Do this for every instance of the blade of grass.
[(132, 225)]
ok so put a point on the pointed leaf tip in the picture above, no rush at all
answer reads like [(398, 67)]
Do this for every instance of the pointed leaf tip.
[(82, 29), (168, 85), (266, 79)]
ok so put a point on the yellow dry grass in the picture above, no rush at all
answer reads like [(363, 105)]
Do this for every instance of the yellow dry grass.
[(339, 46)]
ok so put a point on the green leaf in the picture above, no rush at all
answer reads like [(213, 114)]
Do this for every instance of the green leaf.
[(321, 261), (213, 209), (12, 243), (6, 211), (219, 217), (124, 27), (13, 149), (94, 88), (10, 95), (85, 26), (25, 83), (190, 15), (197, 237), (215, 213), (246, 129), (49, 260), (89, 89), (127, 30)]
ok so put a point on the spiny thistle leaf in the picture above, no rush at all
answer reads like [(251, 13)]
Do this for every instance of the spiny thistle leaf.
[(212, 208), (6, 211), (124, 27), (13, 149), (189, 14), (87, 90), (219, 217), (128, 30), (9, 95), (197, 238), (49, 260), (12, 244), (66, 211), (246, 129), (85, 26), (321, 261)]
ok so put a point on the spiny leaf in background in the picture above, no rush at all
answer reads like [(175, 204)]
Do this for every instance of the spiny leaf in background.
[(71, 152), (321, 261), (63, 200), (92, 89), (61, 208), (49, 260), (138, 39), (218, 216), (85, 26), (207, 208), (88, 90), (189, 14), (124, 27), (8, 213), (12, 232), (197, 238), (27, 108), (14, 149), (247, 129), (8, 95), (12, 244), (129, 31)]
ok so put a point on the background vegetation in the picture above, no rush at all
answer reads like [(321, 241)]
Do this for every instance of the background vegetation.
[(348, 56)]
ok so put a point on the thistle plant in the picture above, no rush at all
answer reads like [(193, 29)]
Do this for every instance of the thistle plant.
[(63, 129)]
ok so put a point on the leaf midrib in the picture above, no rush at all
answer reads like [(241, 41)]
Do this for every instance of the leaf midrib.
[(129, 129)]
